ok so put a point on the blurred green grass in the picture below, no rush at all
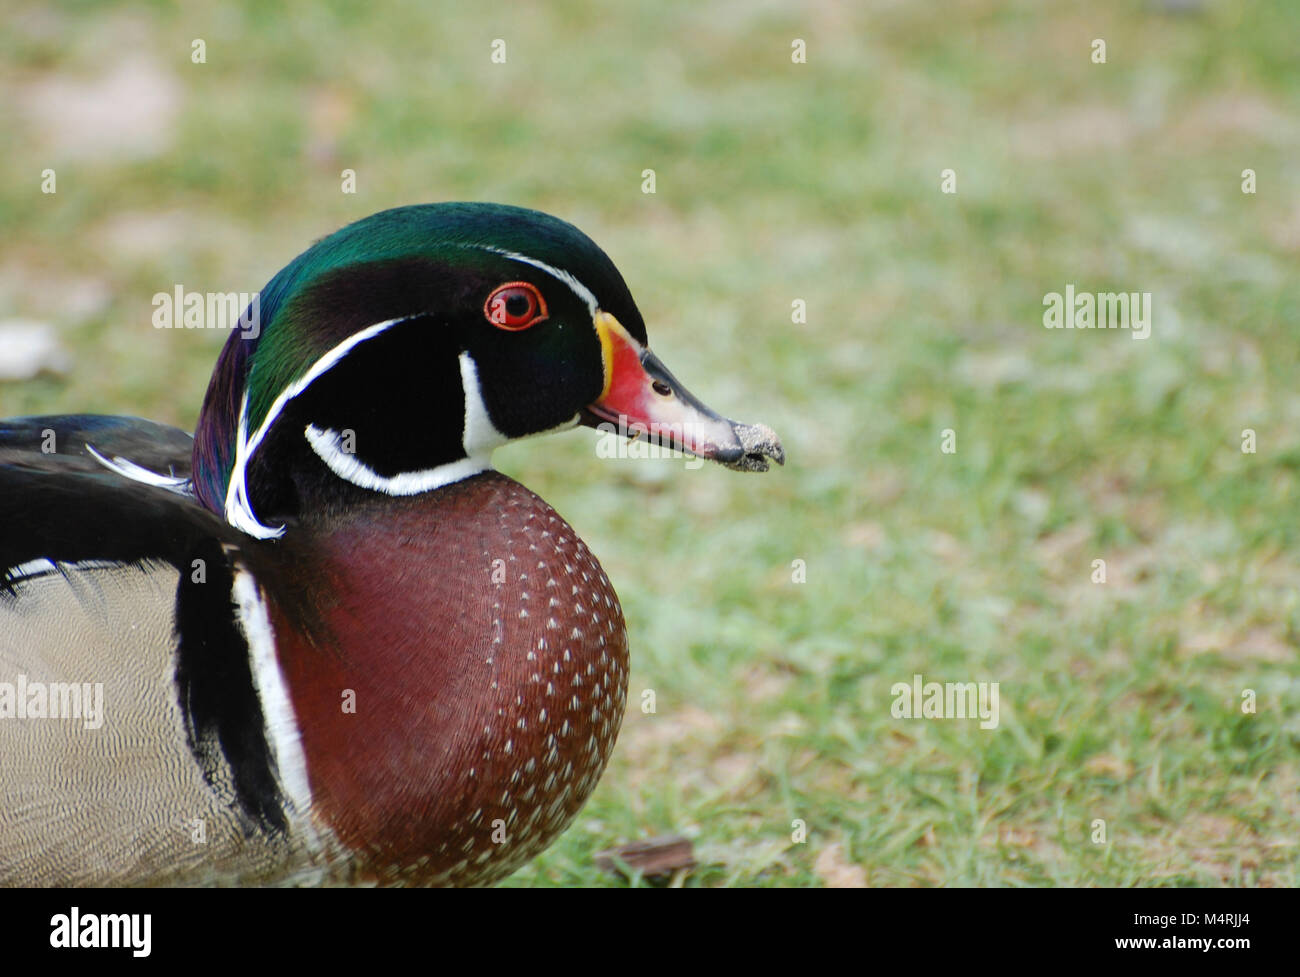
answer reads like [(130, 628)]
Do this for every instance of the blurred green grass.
[(820, 181)]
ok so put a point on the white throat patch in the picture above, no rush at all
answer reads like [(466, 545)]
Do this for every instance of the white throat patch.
[(480, 436), (480, 439)]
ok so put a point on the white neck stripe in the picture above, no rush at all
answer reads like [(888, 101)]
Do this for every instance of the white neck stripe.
[(239, 511)]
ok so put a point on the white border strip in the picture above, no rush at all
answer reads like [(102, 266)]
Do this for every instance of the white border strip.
[(281, 723)]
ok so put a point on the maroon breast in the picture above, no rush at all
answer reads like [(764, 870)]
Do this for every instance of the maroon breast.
[(458, 668)]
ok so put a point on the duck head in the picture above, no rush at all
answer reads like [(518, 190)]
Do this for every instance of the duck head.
[(396, 354)]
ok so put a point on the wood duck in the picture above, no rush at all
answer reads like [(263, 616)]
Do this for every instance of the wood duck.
[(323, 641)]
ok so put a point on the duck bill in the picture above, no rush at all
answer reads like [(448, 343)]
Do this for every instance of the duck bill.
[(643, 399)]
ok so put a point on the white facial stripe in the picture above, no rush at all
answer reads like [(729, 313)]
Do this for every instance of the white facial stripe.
[(479, 440), (328, 446), (277, 708), (239, 511), (578, 288)]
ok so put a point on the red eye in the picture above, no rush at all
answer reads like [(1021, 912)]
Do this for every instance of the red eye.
[(515, 306)]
